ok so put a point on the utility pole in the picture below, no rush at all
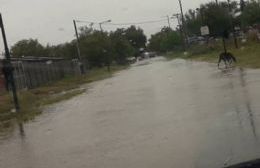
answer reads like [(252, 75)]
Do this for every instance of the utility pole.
[(9, 66), (232, 24), (183, 25), (78, 48), (177, 16), (77, 36)]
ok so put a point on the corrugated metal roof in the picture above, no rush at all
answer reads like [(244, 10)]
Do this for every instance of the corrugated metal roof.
[(32, 58), (36, 59)]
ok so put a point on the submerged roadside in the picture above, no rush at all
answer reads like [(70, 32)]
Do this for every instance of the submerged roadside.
[(32, 101)]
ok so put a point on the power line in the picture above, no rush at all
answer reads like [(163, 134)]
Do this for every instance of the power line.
[(84, 21), (138, 23), (126, 23)]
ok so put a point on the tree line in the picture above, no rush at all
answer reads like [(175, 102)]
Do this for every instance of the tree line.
[(219, 17), (223, 16), (103, 48), (97, 47)]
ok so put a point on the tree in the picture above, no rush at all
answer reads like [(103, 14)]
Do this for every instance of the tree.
[(66, 50), (29, 47), (136, 37), (217, 17), (251, 14), (97, 47), (155, 42), (121, 45), (242, 5), (194, 22), (165, 40)]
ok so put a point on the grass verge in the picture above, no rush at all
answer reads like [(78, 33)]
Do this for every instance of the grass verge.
[(248, 54)]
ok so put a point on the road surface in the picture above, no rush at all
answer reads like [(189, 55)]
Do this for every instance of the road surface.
[(158, 113)]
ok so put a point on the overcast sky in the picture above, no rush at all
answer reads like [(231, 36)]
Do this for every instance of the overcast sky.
[(50, 21)]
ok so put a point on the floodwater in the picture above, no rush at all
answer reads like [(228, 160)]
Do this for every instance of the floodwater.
[(160, 113)]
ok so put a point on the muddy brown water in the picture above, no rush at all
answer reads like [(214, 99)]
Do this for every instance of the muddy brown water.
[(158, 113)]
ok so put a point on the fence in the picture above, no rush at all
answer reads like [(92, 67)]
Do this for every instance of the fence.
[(2, 84), (30, 73)]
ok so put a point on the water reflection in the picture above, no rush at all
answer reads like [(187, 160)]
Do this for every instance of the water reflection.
[(242, 75), (12, 127), (6, 128), (243, 92), (21, 130), (236, 127)]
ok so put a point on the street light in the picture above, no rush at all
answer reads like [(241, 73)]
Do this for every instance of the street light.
[(100, 24)]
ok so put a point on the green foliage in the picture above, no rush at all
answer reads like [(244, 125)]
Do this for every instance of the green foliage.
[(99, 48), (165, 40), (251, 14), (242, 5), (136, 37), (66, 50), (217, 17), (29, 47), (122, 47), (193, 22)]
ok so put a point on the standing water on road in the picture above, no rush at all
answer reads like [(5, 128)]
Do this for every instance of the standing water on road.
[(158, 114)]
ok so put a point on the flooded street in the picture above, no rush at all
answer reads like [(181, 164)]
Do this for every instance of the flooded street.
[(160, 113)]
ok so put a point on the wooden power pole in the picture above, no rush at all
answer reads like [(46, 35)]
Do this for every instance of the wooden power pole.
[(9, 67)]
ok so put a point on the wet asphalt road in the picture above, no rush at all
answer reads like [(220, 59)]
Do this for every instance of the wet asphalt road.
[(167, 114)]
